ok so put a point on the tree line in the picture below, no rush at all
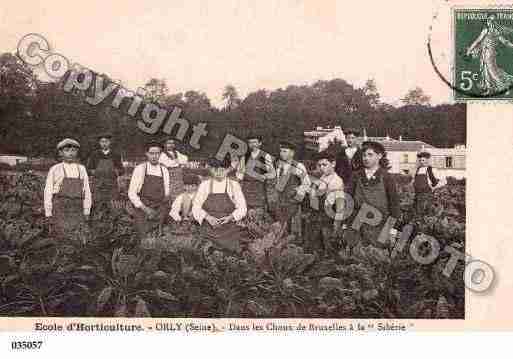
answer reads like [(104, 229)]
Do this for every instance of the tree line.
[(35, 115)]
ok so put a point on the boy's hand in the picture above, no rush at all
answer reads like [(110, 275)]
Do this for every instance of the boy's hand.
[(212, 220), (226, 219)]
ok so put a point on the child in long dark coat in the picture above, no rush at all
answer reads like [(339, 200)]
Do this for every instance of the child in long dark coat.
[(375, 187)]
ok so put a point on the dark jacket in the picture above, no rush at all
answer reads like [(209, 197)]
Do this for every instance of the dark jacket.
[(344, 167), (96, 155), (390, 189)]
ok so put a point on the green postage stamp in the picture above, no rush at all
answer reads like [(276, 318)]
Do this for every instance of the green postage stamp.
[(483, 56)]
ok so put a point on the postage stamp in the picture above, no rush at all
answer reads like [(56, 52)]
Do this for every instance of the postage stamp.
[(483, 49)]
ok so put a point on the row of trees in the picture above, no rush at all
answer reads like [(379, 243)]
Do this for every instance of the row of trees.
[(35, 115)]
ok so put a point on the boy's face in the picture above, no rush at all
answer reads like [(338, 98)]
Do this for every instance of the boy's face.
[(371, 158), (254, 144), (68, 153), (423, 161), (191, 188), (327, 167), (153, 154), (286, 154), (170, 145), (351, 139), (104, 143)]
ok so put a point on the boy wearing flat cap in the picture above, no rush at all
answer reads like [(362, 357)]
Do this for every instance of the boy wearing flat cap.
[(106, 166), (67, 196), (425, 181)]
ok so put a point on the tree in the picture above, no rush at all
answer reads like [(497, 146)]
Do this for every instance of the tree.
[(371, 91), (231, 96), (156, 90), (416, 97)]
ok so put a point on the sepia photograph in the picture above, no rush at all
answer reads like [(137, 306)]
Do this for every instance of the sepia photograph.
[(189, 159)]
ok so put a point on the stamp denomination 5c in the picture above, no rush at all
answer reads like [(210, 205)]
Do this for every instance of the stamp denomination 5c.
[(483, 44)]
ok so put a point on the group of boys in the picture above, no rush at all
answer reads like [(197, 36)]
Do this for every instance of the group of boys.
[(159, 190)]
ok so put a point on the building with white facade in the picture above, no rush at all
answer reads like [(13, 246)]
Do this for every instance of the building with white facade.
[(402, 154), (320, 138), (12, 160)]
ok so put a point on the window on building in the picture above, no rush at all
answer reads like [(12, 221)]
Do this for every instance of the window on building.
[(405, 158), (448, 162)]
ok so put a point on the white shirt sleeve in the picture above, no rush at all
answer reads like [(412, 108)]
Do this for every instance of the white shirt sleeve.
[(175, 208), (166, 161), (442, 181), (182, 159), (198, 212), (241, 166), (271, 173), (336, 184), (305, 179), (87, 191), (238, 200), (165, 174), (135, 186), (48, 192)]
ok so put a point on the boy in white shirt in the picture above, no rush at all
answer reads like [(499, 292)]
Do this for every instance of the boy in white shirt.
[(327, 220), (217, 205), (181, 209), (67, 195), (149, 191)]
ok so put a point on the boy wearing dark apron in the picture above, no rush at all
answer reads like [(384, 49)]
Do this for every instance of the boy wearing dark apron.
[(217, 205), (149, 192), (424, 182), (174, 161), (67, 196), (291, 185), (106, 166), (253, 175)]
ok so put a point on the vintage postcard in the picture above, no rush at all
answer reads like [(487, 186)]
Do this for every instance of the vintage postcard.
[(277, 166)]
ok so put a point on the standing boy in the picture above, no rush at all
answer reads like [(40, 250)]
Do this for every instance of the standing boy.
[(425, 181), (376, 188), (106, 166), (254, 169), (292, 183), (149, 191), (174, 161), (327, 219), (67, 196), (349, 159)]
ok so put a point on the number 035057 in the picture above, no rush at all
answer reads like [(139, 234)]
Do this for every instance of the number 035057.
[(23, 345)]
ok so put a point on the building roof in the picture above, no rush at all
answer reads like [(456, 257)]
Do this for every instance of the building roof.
[(393, 145)]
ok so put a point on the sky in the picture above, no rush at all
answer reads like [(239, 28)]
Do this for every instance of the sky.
[(205, 45)]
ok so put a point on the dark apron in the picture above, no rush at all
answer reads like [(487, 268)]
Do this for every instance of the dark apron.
[(105, 188), (374, 195), (423, 194), (228, 236), (152, 195), (254, 190), (176, 185), (68, 205), (286, 206)]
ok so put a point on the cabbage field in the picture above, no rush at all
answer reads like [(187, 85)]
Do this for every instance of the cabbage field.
[(103, 272)]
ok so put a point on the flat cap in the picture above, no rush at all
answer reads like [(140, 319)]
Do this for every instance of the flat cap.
[(104, 135), (288, 144), (68, 142)]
